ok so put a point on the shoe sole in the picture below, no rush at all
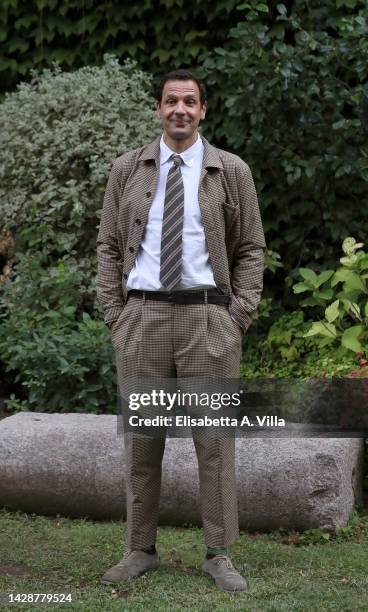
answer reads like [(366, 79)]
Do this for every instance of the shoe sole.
[(222, 588), (108, 582)]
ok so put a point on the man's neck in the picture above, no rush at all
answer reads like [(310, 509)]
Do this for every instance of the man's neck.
[(179, 146)]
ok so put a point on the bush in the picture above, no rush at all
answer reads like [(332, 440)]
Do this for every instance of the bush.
[(344, 307), (60, 135), (284, 351), (60, 356), (291, 83)]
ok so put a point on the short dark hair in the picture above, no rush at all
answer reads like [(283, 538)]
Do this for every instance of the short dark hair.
[(181, 74)]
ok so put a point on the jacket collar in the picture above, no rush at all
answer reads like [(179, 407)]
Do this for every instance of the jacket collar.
[(211, 157)]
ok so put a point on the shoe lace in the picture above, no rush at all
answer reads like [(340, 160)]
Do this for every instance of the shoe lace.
[(223, 559)]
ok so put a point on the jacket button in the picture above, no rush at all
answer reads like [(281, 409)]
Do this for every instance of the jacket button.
[(125, 276), (131, 249), (138, 221), (148, 194)]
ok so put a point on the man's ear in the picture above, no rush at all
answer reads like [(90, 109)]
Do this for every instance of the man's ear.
[(203, 110), (158, 110)]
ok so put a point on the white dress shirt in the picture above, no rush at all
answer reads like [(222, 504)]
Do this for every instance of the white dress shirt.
[(196, 267)]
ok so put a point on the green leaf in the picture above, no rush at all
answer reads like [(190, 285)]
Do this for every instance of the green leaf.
[(64, 364), (281, 9), (355, 309), (350, 245), (263, 8), (351, 279), (324, 329), (350, 338), (346, 303), (341, 275), (326, 341), (162, 55), (313, 331), (310, 301), (300, 287), (325, 294), (366, 309), (332, 311), (193, 34), (355, 282), (348, 3), (338, 124), (324, 276), (308, 275), (349, 261), (86, 317)]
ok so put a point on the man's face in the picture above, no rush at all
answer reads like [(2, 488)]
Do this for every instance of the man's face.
[(180, 110)]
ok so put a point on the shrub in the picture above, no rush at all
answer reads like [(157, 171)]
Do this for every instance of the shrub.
[(344, 307), (291, 83), (283, 350), (60, 134), (60, 356)]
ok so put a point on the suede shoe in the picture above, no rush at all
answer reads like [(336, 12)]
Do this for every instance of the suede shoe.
[(226, 577), (133, 564)]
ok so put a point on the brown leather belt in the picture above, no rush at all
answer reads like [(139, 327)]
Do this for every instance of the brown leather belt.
[(202, 296)]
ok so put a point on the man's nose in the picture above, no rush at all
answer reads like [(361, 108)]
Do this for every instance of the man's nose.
[(180, 108)]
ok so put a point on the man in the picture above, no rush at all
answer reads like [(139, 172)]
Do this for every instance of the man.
[(180, 253)]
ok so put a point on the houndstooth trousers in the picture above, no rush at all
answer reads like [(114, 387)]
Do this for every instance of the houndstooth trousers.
[(164, 339)]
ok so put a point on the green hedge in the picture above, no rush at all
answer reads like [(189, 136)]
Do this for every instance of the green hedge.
[(155, 33), (59, 138), (291, 83), (60, 357), (60, 135)]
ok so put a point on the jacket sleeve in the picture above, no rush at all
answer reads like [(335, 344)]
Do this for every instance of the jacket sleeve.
[(109, 258), (247, 272)]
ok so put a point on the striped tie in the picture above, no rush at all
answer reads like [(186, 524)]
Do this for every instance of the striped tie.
[(172, 227)]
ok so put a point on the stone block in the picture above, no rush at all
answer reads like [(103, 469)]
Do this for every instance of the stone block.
[(73, 465)]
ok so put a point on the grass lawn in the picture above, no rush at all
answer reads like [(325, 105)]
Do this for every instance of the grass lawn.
[(286, 571)]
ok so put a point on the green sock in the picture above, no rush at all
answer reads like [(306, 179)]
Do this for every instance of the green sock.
[(212, 552)]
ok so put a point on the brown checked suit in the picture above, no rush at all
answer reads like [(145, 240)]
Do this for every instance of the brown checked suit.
[(175, 341)]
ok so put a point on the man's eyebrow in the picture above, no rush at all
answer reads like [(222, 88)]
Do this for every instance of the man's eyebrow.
[(189, 95)]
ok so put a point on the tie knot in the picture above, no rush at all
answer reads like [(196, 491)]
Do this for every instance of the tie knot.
[(176, 159)]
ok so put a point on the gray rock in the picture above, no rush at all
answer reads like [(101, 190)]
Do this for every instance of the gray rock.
[(72, 464)]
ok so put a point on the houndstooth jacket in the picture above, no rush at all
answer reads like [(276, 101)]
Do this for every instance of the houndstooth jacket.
[(230, 216)]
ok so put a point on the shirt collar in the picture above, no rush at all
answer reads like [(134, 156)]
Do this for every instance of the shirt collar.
[(187, 155)]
